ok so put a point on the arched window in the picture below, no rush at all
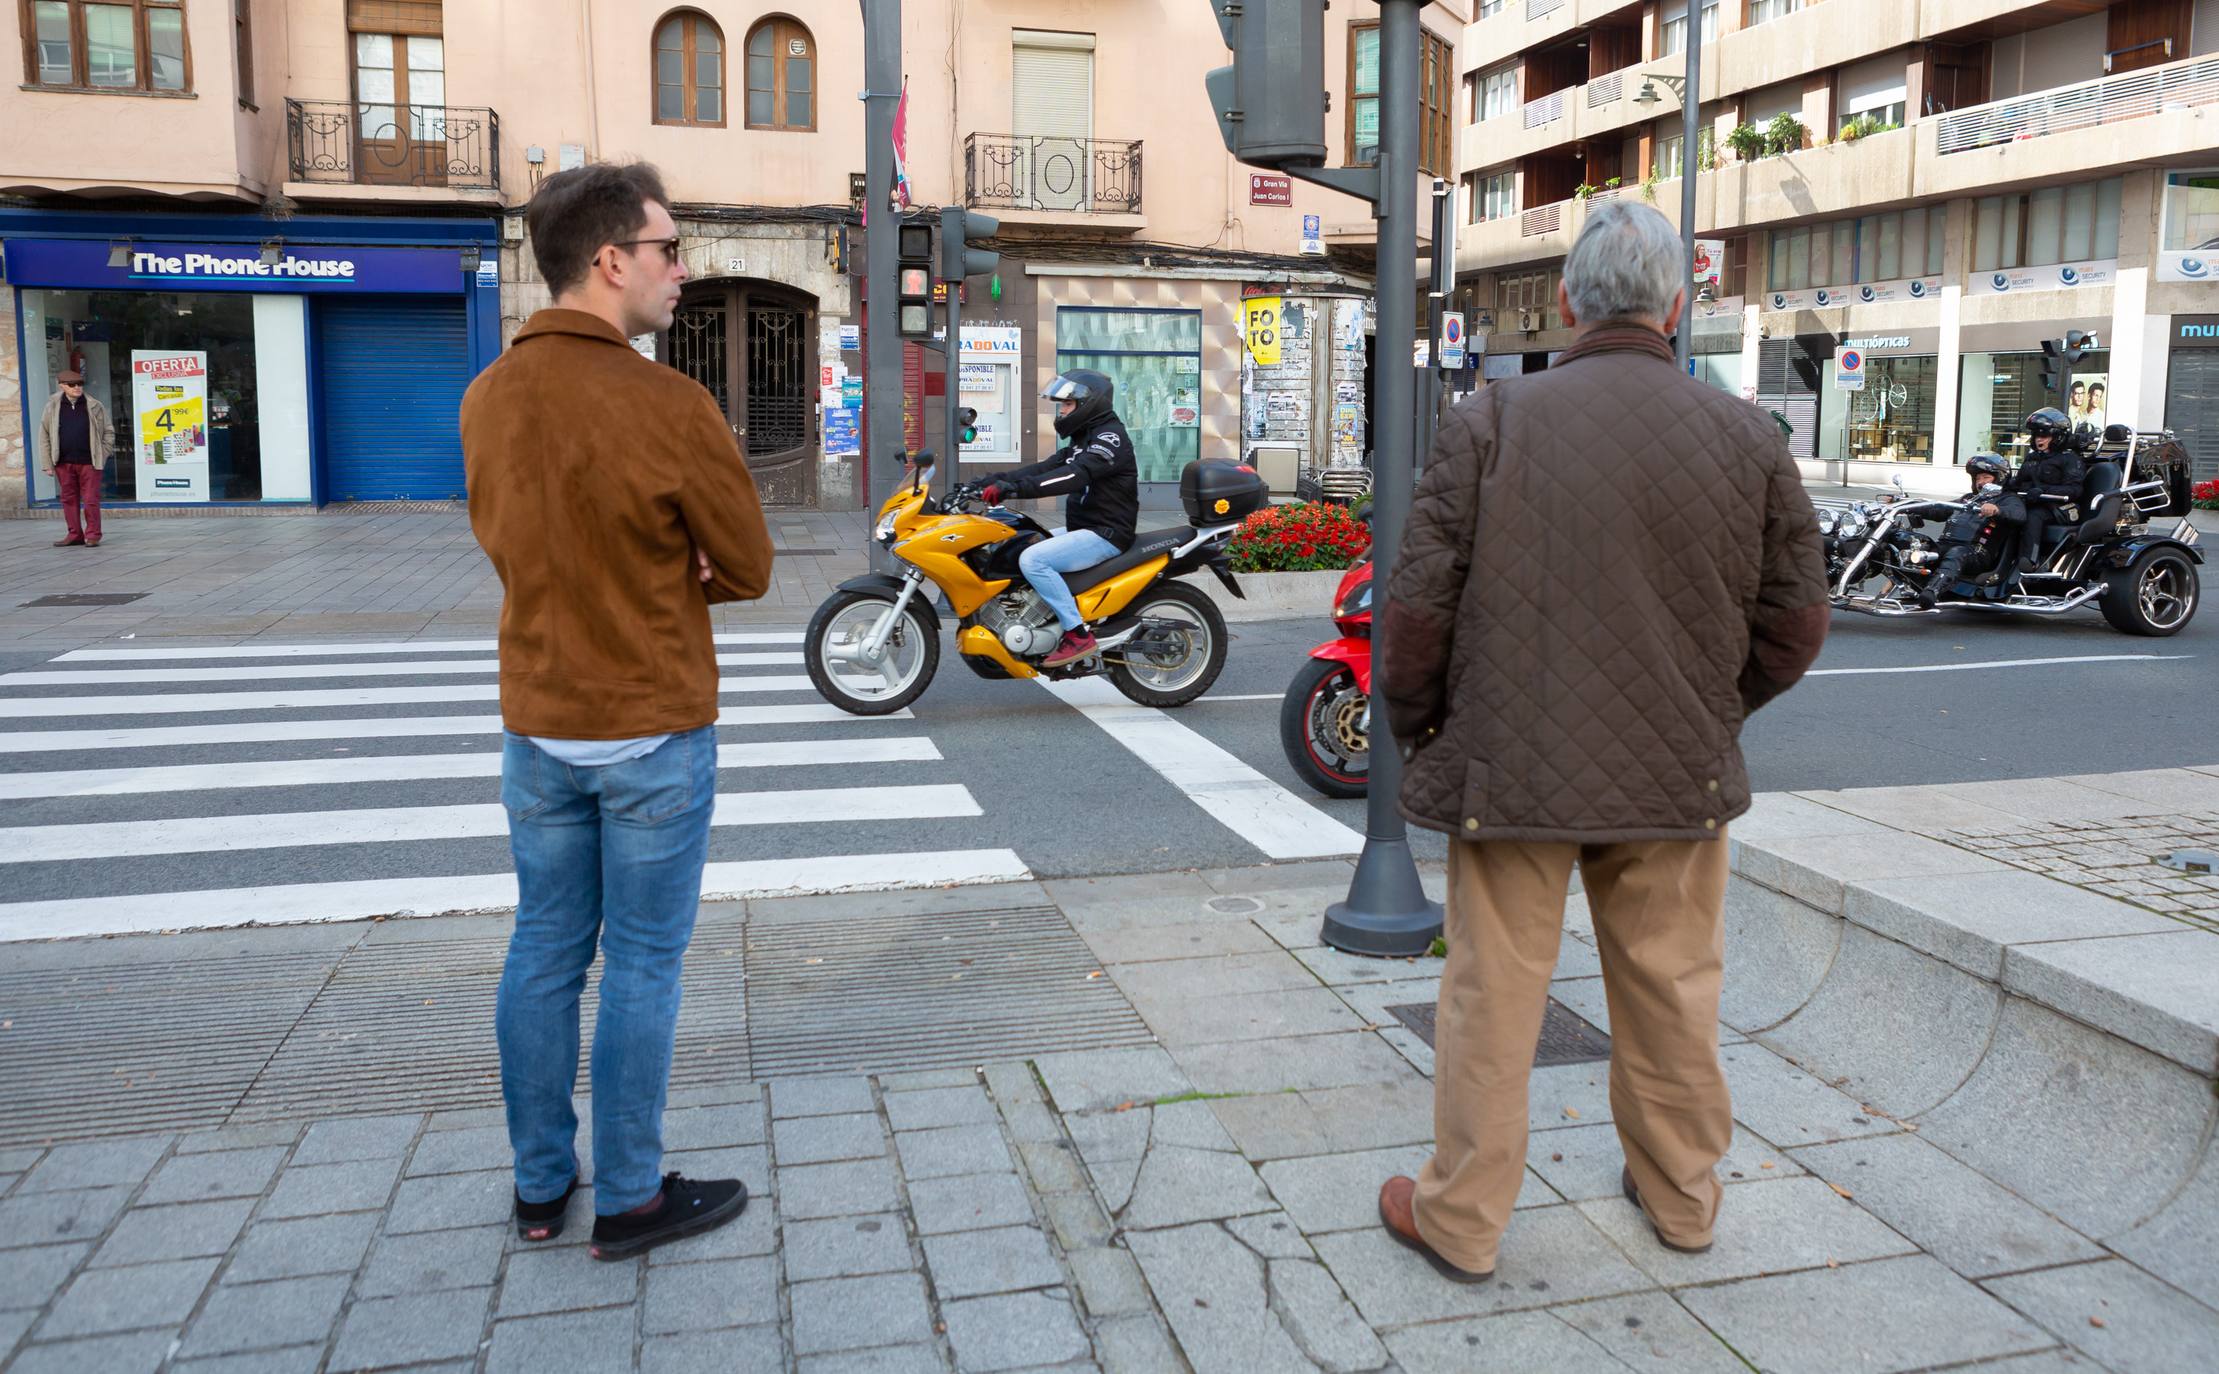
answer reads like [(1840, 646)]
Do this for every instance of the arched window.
[(689, 70), (781, 76)]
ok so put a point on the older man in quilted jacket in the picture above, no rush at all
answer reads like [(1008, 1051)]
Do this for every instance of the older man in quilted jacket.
[(1609, 565)]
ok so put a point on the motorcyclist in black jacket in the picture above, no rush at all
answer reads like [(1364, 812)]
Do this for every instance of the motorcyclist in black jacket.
[(1972, 538), (2053, 467), (1096, 472)]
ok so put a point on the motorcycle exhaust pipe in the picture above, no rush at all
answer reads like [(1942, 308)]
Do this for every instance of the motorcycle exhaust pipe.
[(2057, 606)]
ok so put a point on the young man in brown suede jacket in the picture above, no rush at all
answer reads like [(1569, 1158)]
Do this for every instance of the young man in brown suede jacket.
[(615, 505)]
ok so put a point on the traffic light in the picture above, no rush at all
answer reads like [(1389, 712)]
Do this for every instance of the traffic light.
[(959, 229), (1271, 102), (913, 251), (966, 425), (2053, 366), (2078, 344)]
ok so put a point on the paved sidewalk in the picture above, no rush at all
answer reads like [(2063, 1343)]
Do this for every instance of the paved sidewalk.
[(375, 575), (1204, 1202)]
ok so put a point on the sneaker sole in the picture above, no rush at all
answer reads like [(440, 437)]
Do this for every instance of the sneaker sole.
[(691, 1226)]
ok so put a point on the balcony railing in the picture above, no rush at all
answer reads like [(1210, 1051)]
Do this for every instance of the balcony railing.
[(1088, 176), (346, 143), (1541, 219), (1536, 8), (1545, 109), (2106, 100), (1605, 88)]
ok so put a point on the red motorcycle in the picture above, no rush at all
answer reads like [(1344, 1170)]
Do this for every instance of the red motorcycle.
[(1325, 722)]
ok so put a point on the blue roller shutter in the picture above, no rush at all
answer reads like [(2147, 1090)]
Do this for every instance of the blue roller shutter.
[(393, 373)]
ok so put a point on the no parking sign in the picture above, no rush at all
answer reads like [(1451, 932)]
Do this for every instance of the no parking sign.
[(1452, 341), (1849, 370)]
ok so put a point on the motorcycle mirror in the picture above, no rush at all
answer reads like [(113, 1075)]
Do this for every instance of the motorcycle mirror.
[(1897, 479)]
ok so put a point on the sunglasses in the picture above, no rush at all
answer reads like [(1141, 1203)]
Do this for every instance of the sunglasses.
[(669, 247)]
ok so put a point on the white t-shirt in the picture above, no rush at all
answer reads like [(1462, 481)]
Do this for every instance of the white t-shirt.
[(599, 753)]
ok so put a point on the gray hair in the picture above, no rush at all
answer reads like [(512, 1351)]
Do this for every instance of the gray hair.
[(1627, 263)]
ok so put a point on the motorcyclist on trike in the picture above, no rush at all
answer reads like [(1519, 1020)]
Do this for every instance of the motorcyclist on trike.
[(2052, 468), (1973, 537)]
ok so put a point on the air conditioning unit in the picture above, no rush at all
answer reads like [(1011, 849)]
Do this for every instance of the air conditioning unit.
[(1280, 465), (1529, 321)]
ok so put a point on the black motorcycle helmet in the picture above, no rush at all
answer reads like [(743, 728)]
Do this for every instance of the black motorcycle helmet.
[(1092, 390), (1987, 465), (2048, 420)]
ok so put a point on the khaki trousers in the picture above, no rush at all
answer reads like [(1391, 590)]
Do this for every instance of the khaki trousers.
[(1659, 912)]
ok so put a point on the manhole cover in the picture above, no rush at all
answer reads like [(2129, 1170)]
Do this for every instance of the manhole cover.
[(1234, 906), (2192, 860), (87, 599), (1566, 1036)]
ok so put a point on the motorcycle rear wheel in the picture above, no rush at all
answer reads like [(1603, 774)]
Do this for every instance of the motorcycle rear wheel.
[(1172, 678), (912, 654), (2156, 597), (1313, 732)]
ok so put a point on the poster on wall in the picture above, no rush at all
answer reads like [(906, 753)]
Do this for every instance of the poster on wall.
[(843, 436), (2089, 400), (169, 407)]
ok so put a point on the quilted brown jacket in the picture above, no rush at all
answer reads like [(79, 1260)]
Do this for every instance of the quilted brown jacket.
[(1608, 566)]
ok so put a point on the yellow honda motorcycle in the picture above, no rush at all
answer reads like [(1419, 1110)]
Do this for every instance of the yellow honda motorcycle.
[(874, 645)]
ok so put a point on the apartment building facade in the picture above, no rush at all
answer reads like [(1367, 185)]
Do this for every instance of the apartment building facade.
[(281, 236), (1937, 185)]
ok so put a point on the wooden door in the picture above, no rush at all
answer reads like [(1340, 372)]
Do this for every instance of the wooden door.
[(753, 345), (400, 92)]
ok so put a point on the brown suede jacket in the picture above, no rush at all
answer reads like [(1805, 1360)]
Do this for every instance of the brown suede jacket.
[(1608, 566), (594, 474)]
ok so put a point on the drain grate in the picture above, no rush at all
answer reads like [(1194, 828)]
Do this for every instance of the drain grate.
[(1566, 1036), (87, 599), (939, 990)]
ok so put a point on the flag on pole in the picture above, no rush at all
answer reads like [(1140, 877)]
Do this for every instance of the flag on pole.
[(902, 197)]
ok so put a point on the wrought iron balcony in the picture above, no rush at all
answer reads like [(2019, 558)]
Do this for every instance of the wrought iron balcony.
[(351, 143), (1088, 176)]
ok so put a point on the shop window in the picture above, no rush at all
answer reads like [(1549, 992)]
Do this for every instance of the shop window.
[(119, 45), (781, 76), (2055, 224), (1999, 390), (236, 363), (689, 71), (1154, 357), (2191, 211), (1890, 421)]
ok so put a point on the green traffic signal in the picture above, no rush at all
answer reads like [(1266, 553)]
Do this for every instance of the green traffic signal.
[(967, 425)]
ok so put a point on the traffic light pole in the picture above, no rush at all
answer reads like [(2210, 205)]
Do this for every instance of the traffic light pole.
[(882, 336), (1387, 911)]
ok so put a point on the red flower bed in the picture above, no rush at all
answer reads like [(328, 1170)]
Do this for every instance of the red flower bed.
[(2207, 495), (1312, 537)]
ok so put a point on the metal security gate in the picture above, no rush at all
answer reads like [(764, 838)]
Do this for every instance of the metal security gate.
[(391, 376), (754, 348), (1790, 389), (2192, 406)]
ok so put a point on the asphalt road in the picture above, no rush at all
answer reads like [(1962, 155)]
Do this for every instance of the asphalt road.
[(1066, 786)]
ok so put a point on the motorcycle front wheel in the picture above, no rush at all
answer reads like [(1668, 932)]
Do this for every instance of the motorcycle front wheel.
[(1321, 728), (830, 648), (1179, 653)]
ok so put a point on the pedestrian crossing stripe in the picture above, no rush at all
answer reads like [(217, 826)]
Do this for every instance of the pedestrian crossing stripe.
[(313, 699), (208, 777), (396, 824), (341, 649), (306, 903), (380, 727), (279, 672)]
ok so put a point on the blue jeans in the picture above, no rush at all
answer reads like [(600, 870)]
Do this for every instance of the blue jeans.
[(1044, 562), (610, 857)]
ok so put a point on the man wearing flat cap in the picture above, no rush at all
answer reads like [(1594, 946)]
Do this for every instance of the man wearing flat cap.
[(74, 441)]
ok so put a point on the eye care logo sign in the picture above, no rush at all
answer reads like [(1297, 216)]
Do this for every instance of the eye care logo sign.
[(169, 406)]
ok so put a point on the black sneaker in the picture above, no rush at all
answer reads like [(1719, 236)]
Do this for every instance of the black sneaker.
[(689, 1208)]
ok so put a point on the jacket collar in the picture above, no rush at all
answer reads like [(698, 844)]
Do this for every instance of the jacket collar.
[(1610, 338), (577, 323)]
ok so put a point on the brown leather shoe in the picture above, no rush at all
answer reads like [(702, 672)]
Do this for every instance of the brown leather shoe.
[(1625, 1180), (1398, 1213), (65, 543), (92, 541)]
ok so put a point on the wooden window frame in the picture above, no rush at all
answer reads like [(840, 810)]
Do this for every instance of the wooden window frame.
[(688, 85), (242, 38), (142, 50), (778, 76), (1436, 101)]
